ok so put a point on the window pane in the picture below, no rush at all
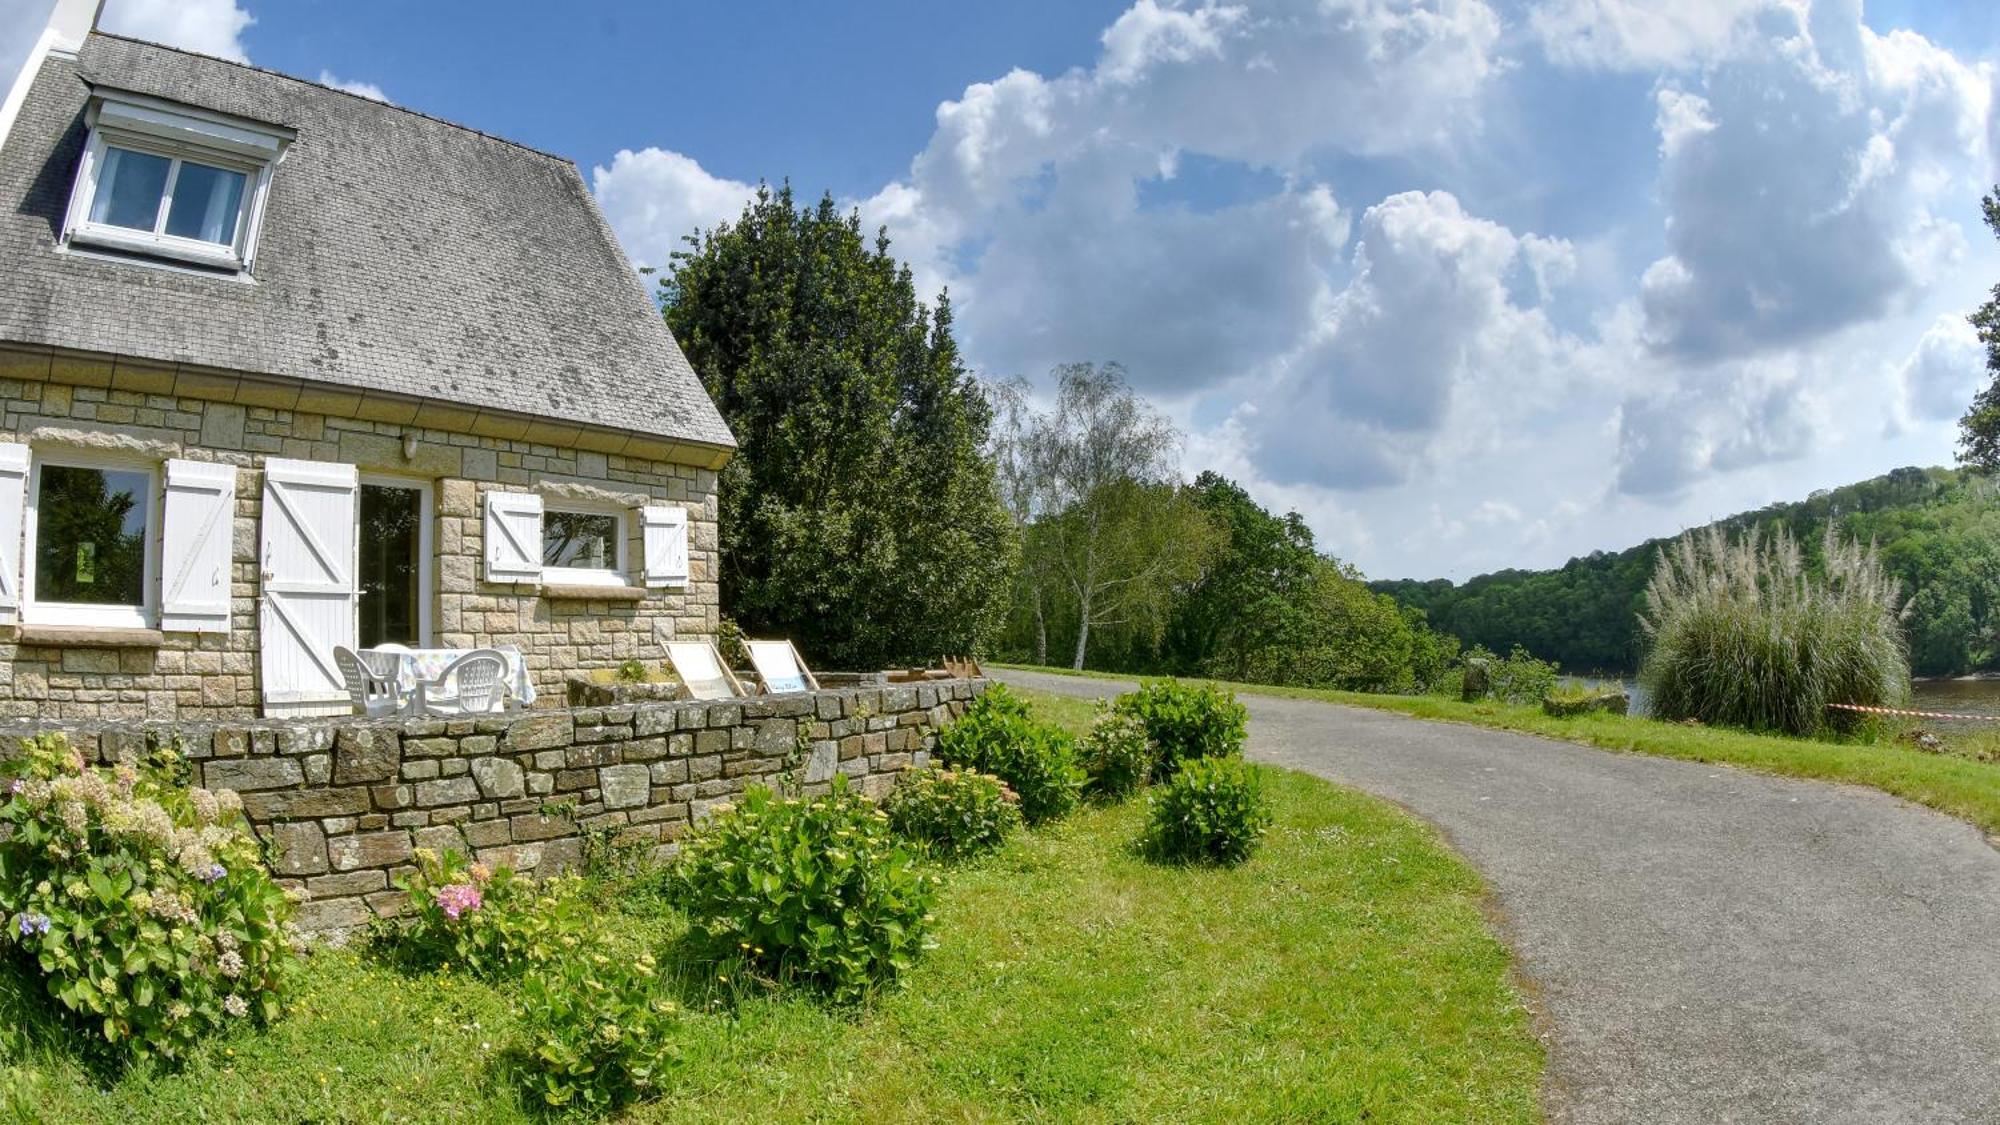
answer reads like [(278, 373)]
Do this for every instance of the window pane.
[(129, 189), (579, 539), (90, 536), (206, 203), (390, 565)]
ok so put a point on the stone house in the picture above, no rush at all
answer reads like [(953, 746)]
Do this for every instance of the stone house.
[(284, 368)]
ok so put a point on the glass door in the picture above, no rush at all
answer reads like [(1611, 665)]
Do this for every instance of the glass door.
[(395, 564)]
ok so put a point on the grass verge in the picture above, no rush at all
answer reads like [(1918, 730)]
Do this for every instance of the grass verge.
[(1949, 783), (1344, 973)]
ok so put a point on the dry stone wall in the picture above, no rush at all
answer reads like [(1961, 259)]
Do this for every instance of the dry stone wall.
[(343, 803)]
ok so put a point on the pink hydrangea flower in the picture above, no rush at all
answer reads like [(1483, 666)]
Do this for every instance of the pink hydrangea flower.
[(457, 899)]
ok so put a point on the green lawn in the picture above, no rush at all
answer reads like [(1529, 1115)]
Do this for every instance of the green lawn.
[(1344, 973), (1949, 783)]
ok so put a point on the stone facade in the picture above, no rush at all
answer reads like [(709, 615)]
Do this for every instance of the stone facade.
[(343, 803), (57, 401)]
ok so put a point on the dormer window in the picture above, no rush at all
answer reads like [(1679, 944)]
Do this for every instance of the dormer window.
[(172, 182)]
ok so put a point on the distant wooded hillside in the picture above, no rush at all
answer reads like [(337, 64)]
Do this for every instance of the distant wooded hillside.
[(1939, 530)]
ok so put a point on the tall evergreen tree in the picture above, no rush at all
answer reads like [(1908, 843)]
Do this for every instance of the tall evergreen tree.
[(860, 516)]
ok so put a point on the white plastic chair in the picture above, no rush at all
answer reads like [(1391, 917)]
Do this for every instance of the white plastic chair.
[(373, 695), (474, 684), (779, 669), (701, 670)]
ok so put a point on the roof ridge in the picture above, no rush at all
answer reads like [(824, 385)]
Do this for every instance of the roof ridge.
[(545, 154)]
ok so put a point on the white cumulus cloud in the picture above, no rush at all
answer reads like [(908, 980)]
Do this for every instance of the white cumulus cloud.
[(654, 198), (1943, 373), (211, 27), (367, 90)]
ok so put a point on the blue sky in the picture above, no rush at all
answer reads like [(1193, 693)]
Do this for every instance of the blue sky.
[(1469, 283)]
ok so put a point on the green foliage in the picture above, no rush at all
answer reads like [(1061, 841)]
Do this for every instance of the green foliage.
[(598, 1033), (1742, 635), (809, 889), (1979, 430), (952, 814), (491, 923), (1186, 721), (1118, 755), (632, 672), (143, 905), (1211, 811), (996, 735), (1518, 677), (859, 516)]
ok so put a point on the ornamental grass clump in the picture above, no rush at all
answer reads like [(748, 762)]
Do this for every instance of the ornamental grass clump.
[(1741, 633), (809, 890), (1187, 721), (1117, 755), (1211, 811), (599, 1033), (952, 813), (143, 904), (490, 923), (1037, 760)]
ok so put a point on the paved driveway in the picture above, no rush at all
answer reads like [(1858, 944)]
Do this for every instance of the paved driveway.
[(1707, 944)]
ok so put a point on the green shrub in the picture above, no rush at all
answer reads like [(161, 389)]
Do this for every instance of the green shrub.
[(996, 735), (951, 813), (1117, 755), (599, 1034), (1517, 677), (1187, 721), (1742, 634), (1211, 811), (489, 923), (808, 889), (143, 904), (631, 672)]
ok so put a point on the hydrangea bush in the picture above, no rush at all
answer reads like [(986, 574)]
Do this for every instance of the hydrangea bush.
[(1117, 755), (143, 903), (487, 922), (599, 1033), (1212, 810), (996, 735), (809, 889), (952, 814), (1187, 721)]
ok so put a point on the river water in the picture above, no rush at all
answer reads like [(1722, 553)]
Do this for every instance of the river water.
[(1966, 697)]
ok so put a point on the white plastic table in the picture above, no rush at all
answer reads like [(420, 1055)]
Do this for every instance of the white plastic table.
[(427, 664)]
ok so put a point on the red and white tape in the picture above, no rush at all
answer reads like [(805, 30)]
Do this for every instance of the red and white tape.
[(1912, 714)]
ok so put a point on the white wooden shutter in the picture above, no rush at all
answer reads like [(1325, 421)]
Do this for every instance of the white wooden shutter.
[(666, 544), (199, 521), (308, 585), (13, 497), (513, 537)]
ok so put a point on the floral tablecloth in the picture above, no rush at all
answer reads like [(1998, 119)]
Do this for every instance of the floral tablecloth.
[(428, 663)]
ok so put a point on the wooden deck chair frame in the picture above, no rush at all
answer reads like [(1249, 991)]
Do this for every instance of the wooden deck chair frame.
[(688, 649), (764, 675)]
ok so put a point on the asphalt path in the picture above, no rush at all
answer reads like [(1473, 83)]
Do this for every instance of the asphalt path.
[(1701, 943)]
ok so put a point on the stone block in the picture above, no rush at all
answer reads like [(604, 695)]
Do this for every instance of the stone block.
[(825, 759), (441, 839), (539, 732), (298, 849), (322, 916), (348, 884), (369, 849), (364, 754), (498, 777), (535, 826), (625, 787), (446, 791), (247, 774)]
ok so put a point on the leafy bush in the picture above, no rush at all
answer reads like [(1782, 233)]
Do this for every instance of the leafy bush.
[(952, 813), (815, 890), (1742, 634), (1187, 721), (1517, 677), (1117, 755), (599, 1033), (490, 923), (631, 672), (1211, 811), (996, 735), (144, 904)]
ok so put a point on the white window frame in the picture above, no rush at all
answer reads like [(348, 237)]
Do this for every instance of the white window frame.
[(37, 612), (178, 133), (427, 568), (615, 575)]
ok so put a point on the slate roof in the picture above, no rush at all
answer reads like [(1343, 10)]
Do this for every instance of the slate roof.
[(398, 253)]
